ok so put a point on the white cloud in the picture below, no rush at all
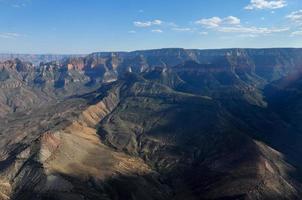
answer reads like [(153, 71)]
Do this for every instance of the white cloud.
[(157, 22), (182, 29), (156, 31), (295, 16), (296, 33), (217, 21), (251, 30), (232, 20), (232, 24), (142, 24), (147, 23), (15, 3), (9, 35), (172, 24), (204, 33), (19, 5), (210, 22), (248, 35), (265, 4)]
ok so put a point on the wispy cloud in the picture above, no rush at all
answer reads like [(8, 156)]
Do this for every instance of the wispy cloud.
[(171, 24), (265, 4), (233, 24), (132, 32), (178, 29), (251, 30), (248, 35), (295, 16), (210, 22), (15, 3), (144, 24), (21, 5), (203, 33), (297, 33), (156, 31), (9, 35), (231, 20), (217, 21)]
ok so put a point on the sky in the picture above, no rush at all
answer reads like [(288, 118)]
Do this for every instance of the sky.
[(85, 26)]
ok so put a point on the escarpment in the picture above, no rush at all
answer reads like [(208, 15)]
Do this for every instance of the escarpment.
[(156, 124)]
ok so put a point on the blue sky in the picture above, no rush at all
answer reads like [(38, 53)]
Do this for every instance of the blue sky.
[(84, 26)]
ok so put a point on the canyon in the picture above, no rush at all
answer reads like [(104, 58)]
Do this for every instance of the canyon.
[(154, 124)]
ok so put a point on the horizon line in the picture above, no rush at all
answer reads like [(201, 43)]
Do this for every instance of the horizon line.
[(138, 50)]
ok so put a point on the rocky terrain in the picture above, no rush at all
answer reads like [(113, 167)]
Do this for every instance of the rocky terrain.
[(157, 124), (35, 59)]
